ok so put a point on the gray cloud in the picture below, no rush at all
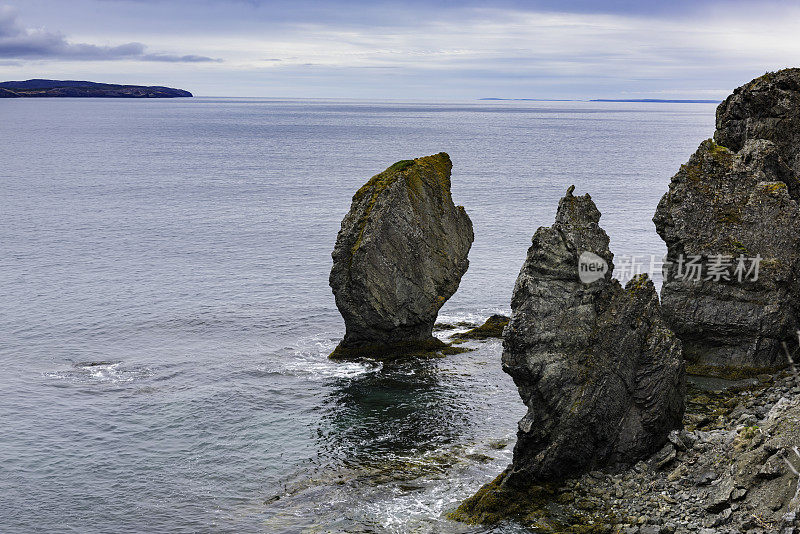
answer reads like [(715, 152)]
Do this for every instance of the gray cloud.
[(167, 58), (17, 42), (419, 48)]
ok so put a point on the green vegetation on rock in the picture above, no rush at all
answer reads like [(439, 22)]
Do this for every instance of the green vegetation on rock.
[(493, 327)]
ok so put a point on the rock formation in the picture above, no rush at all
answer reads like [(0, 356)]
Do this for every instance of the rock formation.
[(766, 108), (732, 227), (400, 254), (600, 373), (731, 470)]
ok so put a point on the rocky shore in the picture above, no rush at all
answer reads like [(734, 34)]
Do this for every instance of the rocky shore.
[(603, 447), (728, 471), (612, 441)]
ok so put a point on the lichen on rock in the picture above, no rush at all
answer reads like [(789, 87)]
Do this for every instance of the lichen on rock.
[(399, 256)]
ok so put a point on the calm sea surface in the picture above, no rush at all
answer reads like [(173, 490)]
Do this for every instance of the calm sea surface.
[(165, 314)]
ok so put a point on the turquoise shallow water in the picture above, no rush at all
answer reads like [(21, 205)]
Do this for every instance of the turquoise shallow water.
[(165, 314)]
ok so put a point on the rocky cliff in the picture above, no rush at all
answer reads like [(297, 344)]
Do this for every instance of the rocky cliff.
[(400, 254), (732, 227), (765, 108), (601, 374)]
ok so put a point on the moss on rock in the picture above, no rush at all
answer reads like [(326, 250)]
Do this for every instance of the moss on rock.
[(493, 327), (731, 372), (539, 507), (495, 502)]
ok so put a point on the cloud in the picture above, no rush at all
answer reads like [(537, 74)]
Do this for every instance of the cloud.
[(18, 43), (167, 58), (418, 48)]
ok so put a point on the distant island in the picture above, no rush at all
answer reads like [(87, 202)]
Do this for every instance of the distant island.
[(656, 100), (69, 88), (532, 99)]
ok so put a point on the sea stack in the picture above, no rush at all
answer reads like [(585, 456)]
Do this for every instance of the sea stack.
[(732, 227), (600, 373), (399, 256)]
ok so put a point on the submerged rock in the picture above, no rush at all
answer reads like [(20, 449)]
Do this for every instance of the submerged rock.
[(601, 374), (732, 227), (400, 254), (493, 327)]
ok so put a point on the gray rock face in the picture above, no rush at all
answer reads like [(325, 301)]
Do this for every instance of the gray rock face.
[(765, 108), (601, 374), (400, 254), (735, 471), (737, 205)]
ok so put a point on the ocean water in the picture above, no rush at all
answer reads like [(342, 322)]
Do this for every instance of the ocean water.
[(165, 315)]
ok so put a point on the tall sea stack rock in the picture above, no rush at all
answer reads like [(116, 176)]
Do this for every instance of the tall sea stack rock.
[(731, 222), (601, 374), (400, 254)]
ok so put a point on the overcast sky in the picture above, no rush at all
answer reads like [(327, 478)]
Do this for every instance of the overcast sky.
[(407, 50)]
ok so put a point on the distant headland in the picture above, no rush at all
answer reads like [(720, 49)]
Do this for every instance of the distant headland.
[(69, 88), (657, 100), (646, 100)]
